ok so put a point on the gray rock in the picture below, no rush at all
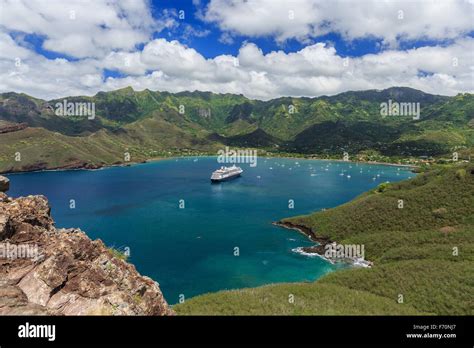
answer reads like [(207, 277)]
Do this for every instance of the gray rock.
[(6, 231), (4, 184)]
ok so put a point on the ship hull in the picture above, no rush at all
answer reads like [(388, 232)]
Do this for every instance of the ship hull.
[(230, 177)]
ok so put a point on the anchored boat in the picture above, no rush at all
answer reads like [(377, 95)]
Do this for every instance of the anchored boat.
[(226, 173)]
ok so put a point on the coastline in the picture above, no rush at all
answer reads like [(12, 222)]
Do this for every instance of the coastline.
[(348, 161), (376, 163), (84, 166), (80, 165), (319, 250)]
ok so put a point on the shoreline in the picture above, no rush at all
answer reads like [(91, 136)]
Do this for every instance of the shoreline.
[(348, 161), (378, 163), (91, 166), (84, 166), (319, 249)]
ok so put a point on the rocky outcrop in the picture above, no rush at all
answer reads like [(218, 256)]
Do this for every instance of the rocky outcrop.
[(321, 247), (4, 184), (45, 270), (12, 127), (40, 166)]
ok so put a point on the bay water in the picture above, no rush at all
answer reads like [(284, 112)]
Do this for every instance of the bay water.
[(194, 237)]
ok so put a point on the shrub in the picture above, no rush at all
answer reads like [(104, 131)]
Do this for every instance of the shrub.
[(461, 173)]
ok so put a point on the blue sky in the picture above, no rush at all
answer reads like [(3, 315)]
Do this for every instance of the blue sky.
[(261, 48), (210, 45)]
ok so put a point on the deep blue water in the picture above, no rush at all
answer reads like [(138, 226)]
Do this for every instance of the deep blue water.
[(190, 251)]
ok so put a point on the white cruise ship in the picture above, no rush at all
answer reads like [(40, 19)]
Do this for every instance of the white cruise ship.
[(226, 173)]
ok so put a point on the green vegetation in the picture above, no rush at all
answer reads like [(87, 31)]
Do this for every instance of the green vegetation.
[(309, 298), (118, 254), (423, 252), (148, 124), (412, 247)]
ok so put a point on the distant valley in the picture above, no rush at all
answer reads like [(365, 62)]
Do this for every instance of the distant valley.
[(134, 126)]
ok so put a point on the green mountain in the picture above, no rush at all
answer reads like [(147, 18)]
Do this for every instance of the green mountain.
[(423, 255), (148, 124)]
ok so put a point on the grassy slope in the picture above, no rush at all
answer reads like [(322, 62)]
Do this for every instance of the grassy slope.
[(412, 249), (148, 138), (38, 145)]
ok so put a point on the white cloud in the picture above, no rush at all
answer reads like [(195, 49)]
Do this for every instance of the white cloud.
[(303, 19), (9, 48), (190, 32), (312, 71), (125, 62), (315, 70), (226, 39), (169, 65), (173, 58), (83, 28)]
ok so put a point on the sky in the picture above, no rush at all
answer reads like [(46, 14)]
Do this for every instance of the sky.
[(262, 49)]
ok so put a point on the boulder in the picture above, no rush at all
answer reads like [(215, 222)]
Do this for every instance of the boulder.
[(13, 301), (4, 184), (6, 230)]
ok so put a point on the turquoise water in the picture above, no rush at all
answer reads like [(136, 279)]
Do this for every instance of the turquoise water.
[(191, 251)]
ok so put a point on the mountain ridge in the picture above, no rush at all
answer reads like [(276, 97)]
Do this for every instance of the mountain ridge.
[(148, 124)]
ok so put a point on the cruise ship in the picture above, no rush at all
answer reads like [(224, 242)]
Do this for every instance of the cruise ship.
[(226, 173)]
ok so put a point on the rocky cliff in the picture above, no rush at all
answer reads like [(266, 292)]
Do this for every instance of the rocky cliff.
[(8, 127), (50, 271), (4, 184)]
